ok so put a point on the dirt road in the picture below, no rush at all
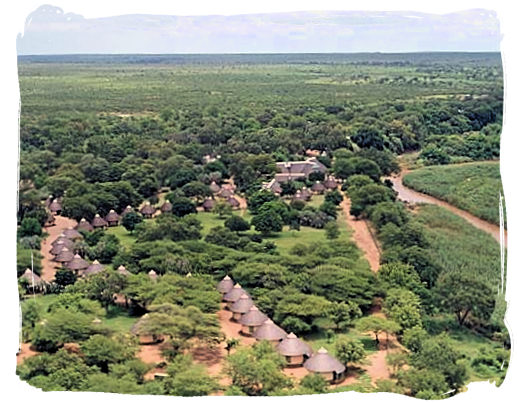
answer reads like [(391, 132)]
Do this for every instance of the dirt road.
[(48, 266), (362, 235), (412, 196)]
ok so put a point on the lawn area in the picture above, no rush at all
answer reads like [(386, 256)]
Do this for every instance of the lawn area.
[(126, 239), (119, 320), (474, 187)]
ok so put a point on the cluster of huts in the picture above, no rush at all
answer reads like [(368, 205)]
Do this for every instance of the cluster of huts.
[(300, 170), (256, 324), (224, 192)]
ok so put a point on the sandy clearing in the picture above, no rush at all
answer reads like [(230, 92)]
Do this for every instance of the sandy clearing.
[(26, 350)]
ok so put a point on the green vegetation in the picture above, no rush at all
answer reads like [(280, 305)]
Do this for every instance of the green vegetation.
[(105, 132), (474, 187)]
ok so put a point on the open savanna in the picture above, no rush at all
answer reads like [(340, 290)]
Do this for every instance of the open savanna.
[(474, 187)]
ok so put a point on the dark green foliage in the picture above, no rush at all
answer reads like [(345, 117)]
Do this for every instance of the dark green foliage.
[(183, 206), (236, 223), (131, 220)]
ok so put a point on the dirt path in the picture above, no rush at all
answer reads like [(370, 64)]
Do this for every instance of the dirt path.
[(412, 196), (48, 266), (362, 235)]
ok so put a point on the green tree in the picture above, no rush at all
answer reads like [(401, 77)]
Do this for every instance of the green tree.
[(348, 351), (332, 230), (103, 351), (464, 295), (236, 223), (188, 379), (403, 306), (29, 227), (267, 222), (131, 220)]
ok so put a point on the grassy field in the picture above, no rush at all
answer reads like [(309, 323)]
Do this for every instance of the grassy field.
[(474, 187), (458, 246)]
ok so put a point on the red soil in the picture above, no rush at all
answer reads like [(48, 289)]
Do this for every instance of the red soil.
[(26, 350), (151, 353), (362, 235), (48, 266)]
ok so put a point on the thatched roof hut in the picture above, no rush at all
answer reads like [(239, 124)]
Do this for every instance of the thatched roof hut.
[(241, 306), (147, 210), (64, 256), (225, 285), (251, 320), (112, 218), (122, 270), (232, 201), (84, 225), (306, 193), (48, 201), (330, 183), (64, 239), (138, 329), (128, 209), (166, 207), (33, 280), (294, 350), (214, 187), (55, 207), (208, 204), (58, 246), (77, 264), (226, 193), (99, 222), (325, 365), (152, 275), (72, 234), (318, 187), (95, 267), (270, 331), (234, 294)]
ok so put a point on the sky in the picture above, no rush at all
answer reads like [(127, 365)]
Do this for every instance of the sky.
[(51, 30)]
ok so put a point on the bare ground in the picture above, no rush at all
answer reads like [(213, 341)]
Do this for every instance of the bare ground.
[(362, 236)]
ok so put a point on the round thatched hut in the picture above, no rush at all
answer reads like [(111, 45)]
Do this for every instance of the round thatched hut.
[(147, 210), (306, 193), (64, 256), (77, 264), (214, 187), (232, 201), (208, 204), (226, 193), (152, 275), (330, 183), (122, 270), (294, 350), (144, 335), (94, 268), (225, 285), (62, 238), (318, 188), (128, 209), (72, 234), (84, 225), (233, 295), (251, 320), (240, 307), (58, 246), (32, 280), (99, 222), (112, 218), (270, 331), (166, 207), (55, 207), (325, 365)]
